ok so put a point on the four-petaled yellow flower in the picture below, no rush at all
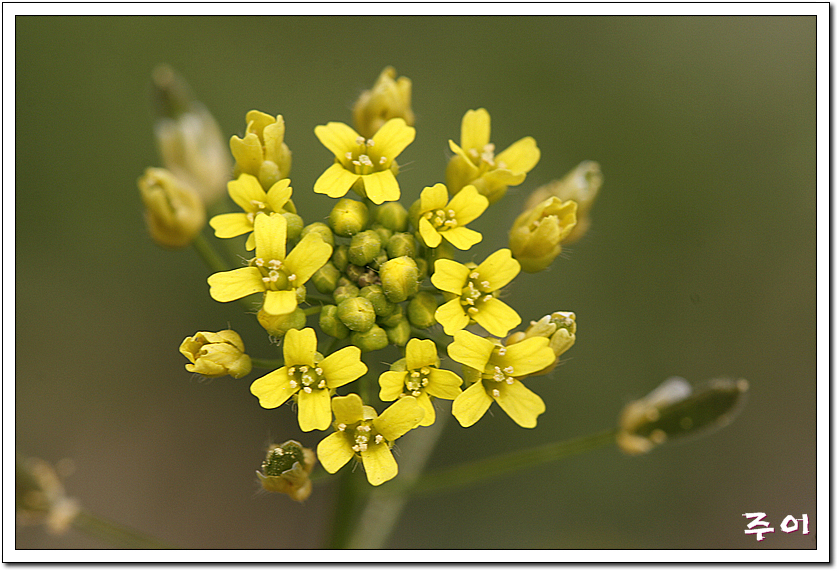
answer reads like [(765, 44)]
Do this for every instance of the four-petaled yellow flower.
[(498, 370), (271, 271), (439, 218), (475, 289), (363, 164), (360, 432), (310, 377), (262, 152), (475, 161), (249, 195), (418, 375)]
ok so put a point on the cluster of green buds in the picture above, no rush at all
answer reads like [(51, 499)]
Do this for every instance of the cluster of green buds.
[(381, 273)]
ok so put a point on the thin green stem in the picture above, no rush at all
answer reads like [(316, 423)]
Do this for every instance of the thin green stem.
[(209, 254), (312, 310), (116, 534), (347, 500)]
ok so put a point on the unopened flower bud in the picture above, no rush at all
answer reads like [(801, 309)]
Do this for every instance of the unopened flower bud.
[(400, 334), (216, 354), (401, 244), (330, 324), (40, 497), (278, 325), (421, 309), (371, 340), (365, 246), (559, 327), (384, 234), (340, 257), (345, 290), (262, 152), (375, 295), (394, 318), (322, 230), (674, 410), (294, 226), (174, 212), (536, 235), (399, 278), (286, 470), (392, 215), (581, 185), (356, 313), (379, 261), (326, 278), (348, 217), (389, 98)]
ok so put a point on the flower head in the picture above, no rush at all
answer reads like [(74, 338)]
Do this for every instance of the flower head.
[(309, 377), (439, 218), (475, 292), (537, 234), (216, 354), (497, 370), (360, 432), (262, 152), (271, 272), (418, 375), (475, 161), (249, 195), (389, 98), (363, 164)]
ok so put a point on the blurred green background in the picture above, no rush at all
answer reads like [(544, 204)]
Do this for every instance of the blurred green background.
[(700, 263)]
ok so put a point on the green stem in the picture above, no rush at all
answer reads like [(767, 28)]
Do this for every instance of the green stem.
[(312, 310), (266, 363), (209, 254), (346, 505), (116, 534)]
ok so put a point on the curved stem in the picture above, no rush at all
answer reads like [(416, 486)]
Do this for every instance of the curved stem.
[(116, 534), (209, 254)]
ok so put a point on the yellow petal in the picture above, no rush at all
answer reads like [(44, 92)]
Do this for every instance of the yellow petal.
[(280, 302), (496, 317), (381, 186), (528, 356), (235, 284), (468, 204), (393, 137), (273, 389), (307, 257), (392, 385), (247, 152), (337, 137), (420, 353), (476, 129), (461, 237), (342, 367), (279, 194), (348, 409), (471, 405), (246, 189), (460, 170), (424, 401), (334, 452), (450, 276), (270, 231), (451, 316), (379, 464), (335, 181), (231, 225), (429, 234), (444, 384), (250, 244), (470, 350), (520, 157), (401, 416), (498, 269), (315, 411), (433, 198), (521, 404), (300, 347)]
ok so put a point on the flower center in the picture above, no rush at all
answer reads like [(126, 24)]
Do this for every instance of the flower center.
[(306, 378), (499, 375), (274, 274), (362, 159), (257, 206), (416, 381), (475, 293), (363, 434), (441, 219)]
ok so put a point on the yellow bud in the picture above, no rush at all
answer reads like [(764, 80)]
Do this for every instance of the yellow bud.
[(174, 211), (399, 278), (389, 98), (537, 234), (216, 354), (278, 325), (262, 151), (559, 327), (348, 217), (286, 470)]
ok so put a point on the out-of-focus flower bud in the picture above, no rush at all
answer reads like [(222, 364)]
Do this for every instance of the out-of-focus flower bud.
[(322, 230), (356, 313), (364, 247), (559, 327), (389, 98), (330, 324), (348, 217), (40, 496), (262, 152), (375, 295), (188, 138), (371, 340), (399, 278), (216, 354), (675, 410), (174, 212), (286, 470), (537, 234), (581, 185), (345, 290), (392, 215), (278, 325), (400, 334), (384, 234), (421, 309), (401, 244), (326, 278), (340, 257), (294, 225)]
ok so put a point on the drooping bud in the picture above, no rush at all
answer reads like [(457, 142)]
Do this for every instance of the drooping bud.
[(322, 230), (278, 325), (330, 324), (356, 313), (675, 410), (348, 217), (389, 98), (174, 212), (421, 309), (216, 354), (371, 340), (286, 470), (392, 215), (365, 246), (399, 278), (262, 152), (537, 234)]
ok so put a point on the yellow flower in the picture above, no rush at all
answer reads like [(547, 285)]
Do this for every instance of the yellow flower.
[(499, 369), (418, 375), (271, 271), (559, 327), (363, 164), (249, 195), (475, 290), (262, 152), (309, 377), (475, 161), (360, 432), (537, 234), (216, 354), (174, 212), (389, 98), (439, 218)]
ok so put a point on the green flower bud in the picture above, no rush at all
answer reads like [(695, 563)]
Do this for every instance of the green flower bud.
[(400, 334), (375, 295), (401, 244), (286, 470), (278, 325), (380, 259), (326, 278), (364, 247), (330, 324), (295, 225), (399, 278), (372, 340), (345, 290), (216, 354), (422, 266), (384, 233), (322, 230), (420, 310), (340, 257), (394, 318), (348, 217), (356, 313), (392, 215), (414, 213)]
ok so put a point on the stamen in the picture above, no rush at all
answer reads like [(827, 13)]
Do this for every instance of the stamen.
[(487, 297), (472, 310), (508, 370), (426, 371), (370, 143), (321, 384), (292, 277), (348, 156), (341, 426), (293, 383), (501, 351), (379, 439), (382, 160), (259, 262), (318, 370), (495, 393), (291, 370), (307, 390), (359, 140)]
